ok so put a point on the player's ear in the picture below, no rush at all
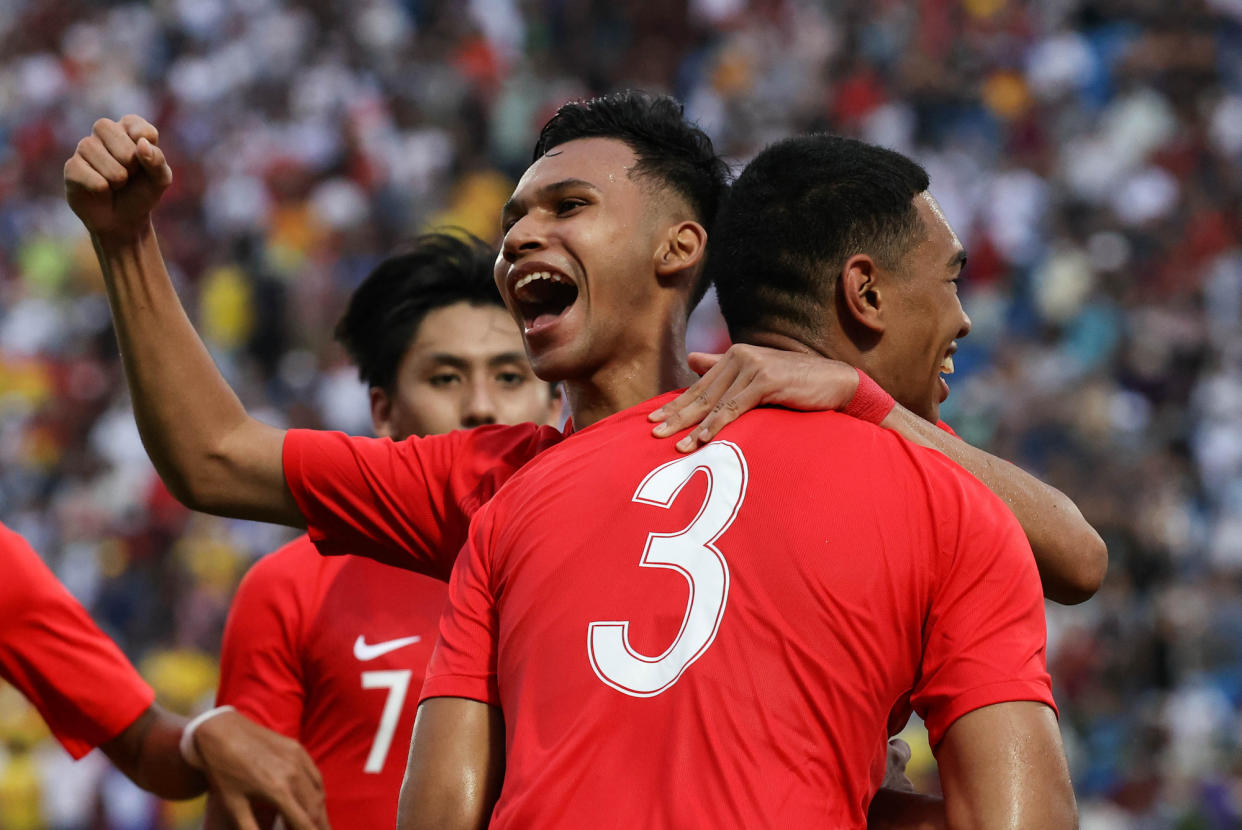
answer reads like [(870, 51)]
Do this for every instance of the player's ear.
[(681, 248), (860, 292), (381, 412)]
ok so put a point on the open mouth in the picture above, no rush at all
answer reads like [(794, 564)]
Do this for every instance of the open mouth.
[(542, 297)]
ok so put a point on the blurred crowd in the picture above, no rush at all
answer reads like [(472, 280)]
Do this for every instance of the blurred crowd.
[(1089, 153)]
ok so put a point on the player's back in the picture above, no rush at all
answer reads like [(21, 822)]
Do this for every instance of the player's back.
[(718, 639), (331, 651)]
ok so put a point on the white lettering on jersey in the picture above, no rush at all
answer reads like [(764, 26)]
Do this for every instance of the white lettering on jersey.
[(692, 553)]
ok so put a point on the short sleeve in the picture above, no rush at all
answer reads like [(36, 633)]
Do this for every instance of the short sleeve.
[(464, 661), (56, 656), (984, 636), (260, 663), (405, 503)]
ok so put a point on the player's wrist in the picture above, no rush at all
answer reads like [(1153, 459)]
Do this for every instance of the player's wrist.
[(189, 750), (870, 402)]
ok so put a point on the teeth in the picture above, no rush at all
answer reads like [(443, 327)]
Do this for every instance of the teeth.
[(946, 365), (538, 275)]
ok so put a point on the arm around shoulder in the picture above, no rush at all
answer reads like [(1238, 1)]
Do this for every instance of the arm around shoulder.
[(1071, 557)]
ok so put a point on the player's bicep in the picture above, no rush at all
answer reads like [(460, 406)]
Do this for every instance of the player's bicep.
[(252, 477), (1004, 766), (456, 765)]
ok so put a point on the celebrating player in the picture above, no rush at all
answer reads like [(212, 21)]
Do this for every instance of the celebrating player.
[(571, 663), (91, 696), (621, 352), (332, 650)]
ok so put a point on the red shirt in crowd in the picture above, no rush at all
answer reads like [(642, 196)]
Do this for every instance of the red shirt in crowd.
[(718, 639), (332, 652), (56, 656)]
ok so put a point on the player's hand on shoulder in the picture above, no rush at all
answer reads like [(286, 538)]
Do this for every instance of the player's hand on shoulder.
[(748, 376), (243, 760), (116, 176)]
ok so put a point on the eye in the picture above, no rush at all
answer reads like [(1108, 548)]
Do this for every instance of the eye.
[(569, 205), (510, 379), (441, 380)]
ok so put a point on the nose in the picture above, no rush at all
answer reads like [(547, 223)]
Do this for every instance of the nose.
[(965, 327), (523, 237), (477, 406)]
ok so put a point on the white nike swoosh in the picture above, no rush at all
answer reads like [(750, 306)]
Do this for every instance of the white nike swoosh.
[(369, 651)]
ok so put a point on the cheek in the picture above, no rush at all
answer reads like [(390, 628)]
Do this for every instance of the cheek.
[(428, 411)]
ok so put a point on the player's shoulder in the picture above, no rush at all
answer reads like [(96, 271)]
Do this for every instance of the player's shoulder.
[(504, 440), (295, 566)]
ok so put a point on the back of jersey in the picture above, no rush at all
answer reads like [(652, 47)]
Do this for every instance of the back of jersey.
[(717, 639)]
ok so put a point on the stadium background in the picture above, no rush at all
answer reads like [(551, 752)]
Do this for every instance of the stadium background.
[(1087, 151)]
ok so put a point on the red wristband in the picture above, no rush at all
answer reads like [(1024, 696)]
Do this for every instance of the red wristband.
[(870, 402)]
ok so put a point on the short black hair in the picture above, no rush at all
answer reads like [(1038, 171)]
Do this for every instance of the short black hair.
[(796, 213), (671, 150), (385, 311)]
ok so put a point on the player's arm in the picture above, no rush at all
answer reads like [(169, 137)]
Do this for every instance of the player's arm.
[(239, 758), (1070, 555), (1004, 766), (212, 455), (455, 768)]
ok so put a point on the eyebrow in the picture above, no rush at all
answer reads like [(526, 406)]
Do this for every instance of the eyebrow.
[(459, 362), (958, 259), (548, 190)]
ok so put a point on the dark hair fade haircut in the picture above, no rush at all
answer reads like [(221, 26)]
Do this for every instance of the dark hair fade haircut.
[(385, 311), (670, 150), (797, 212)]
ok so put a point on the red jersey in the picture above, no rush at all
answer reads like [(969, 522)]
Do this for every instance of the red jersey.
[(332, 652), (407, 503), (57, 657), (717, 640)]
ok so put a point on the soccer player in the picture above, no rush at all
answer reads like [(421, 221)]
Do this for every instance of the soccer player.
[(332, 650), (409, 503), (91, 696), (730, 651)]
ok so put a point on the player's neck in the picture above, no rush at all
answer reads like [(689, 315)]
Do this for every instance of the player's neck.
[(621, 384)]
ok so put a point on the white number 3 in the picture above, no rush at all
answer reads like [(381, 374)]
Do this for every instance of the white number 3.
[(692, 553)]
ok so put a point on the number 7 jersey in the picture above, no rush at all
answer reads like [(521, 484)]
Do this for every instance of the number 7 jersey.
[(331, 651), (717, 640)]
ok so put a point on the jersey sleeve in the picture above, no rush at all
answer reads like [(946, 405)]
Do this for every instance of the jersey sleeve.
[(260, 663), (405, 503), (463, 663), (56, 656), (984, 635)]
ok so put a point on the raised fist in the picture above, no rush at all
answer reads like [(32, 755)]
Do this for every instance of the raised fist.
[(116, 176)]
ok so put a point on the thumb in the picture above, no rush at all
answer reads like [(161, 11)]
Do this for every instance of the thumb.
[(702, 362), (153, 161)]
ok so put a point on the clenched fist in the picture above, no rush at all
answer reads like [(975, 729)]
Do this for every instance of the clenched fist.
[(116, 176)]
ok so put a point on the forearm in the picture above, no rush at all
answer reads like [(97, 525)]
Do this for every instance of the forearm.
[(455, 768), (209, 452), (897, 810), (1070, 555), (148, 753)]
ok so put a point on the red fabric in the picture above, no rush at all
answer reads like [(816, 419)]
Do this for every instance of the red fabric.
[(406, 503), (292, 660), (56, 656), (861, 568)]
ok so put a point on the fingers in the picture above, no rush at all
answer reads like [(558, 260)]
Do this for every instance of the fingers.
[(81, 175), (690, 406), (152, 159), (116, 142), (136, 127), (237, 806), (702, 362), (95, 152), (740, 396)]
